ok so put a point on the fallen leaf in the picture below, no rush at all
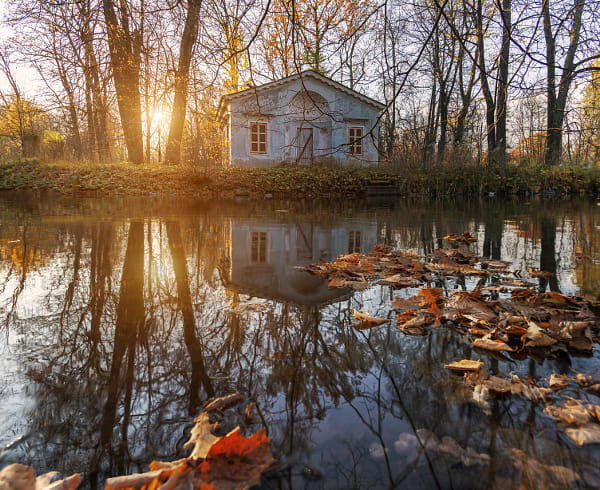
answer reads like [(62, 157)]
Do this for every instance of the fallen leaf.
[(142, 481), (558, 382), (572, 412), (534, 273), (224, 402), (583, 379), (481, 396), (17, 477), (412, 324), (69, 483), (201, 438), (588, 434), (488, 343), (236, 461), (498, 386), (464, 365), (537, 337), (403, 281), (464, 303), (403, 304), (366, 320), (535, 474)]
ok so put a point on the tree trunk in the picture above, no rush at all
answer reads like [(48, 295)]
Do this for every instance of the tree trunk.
[(97, 114), (490, 104), (556, 102), (501, 101), (184, 301), (188, 39), (124, 47)]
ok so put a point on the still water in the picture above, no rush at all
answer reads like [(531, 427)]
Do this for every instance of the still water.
[(121, 317)]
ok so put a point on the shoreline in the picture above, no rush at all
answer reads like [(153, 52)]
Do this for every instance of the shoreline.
[(443, 181)]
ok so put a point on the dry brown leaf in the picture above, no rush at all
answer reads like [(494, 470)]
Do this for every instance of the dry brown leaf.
[(201, 438), (535, 474), (469, 304), (572, 412), (537, 337), (588, 434), (488, 343), (538, 273), (558, 382), (464, 365), (69, 483), (403, 304), (223, 402), (403, 281), (413, 324), (583, 379), (17, 477), (366, 320), (140, 481), (498, 386), (552, 299)]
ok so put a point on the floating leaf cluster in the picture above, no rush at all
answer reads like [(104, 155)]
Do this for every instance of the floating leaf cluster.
[(502, 314)]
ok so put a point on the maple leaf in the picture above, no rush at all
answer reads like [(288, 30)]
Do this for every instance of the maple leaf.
[(236, 461)]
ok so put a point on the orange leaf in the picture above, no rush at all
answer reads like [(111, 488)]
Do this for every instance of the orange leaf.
[(366, 319), (236, 461), (431, 295)]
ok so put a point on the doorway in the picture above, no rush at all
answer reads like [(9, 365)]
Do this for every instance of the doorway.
[(304, 148)]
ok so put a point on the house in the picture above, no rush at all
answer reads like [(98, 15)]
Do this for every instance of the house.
[(303, 119)]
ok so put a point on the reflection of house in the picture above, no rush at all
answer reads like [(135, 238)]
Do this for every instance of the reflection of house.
[(306, 118), (264, 257)]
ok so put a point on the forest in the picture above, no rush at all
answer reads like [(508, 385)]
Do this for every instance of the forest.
[(477, 81)]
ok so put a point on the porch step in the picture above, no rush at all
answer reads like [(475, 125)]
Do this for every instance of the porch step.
[(380, 187)]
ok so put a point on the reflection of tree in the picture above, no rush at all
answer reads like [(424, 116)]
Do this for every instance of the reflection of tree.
[(100, 270), (189, 323), (130, 320), (548, 253)]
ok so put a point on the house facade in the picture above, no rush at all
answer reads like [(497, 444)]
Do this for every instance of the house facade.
[(304, 119)]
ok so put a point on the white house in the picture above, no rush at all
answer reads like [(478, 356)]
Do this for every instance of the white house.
[(303, 119)]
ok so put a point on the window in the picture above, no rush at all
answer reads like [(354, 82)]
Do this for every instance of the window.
[(258, 247), (355, 140), (258, 137), (354, 239)]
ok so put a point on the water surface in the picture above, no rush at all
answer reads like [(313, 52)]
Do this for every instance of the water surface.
[(121, 317)]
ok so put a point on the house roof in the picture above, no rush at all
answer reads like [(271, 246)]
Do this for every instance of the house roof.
[(299, 76)]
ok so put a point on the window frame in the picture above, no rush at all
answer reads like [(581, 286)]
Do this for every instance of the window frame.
[(354, 241), (255, 134), (259, 247), (355, 143)]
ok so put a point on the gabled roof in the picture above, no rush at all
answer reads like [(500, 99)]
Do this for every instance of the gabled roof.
[(301, 76)]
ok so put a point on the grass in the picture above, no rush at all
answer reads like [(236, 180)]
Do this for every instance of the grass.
[(282, 182)]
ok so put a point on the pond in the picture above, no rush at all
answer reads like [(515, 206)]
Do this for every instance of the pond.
[(121, 317)]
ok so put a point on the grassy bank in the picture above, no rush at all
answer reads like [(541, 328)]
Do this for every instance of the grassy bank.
[(439, 181)]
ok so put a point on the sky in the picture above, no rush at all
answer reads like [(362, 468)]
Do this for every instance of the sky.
[(27, 78)]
